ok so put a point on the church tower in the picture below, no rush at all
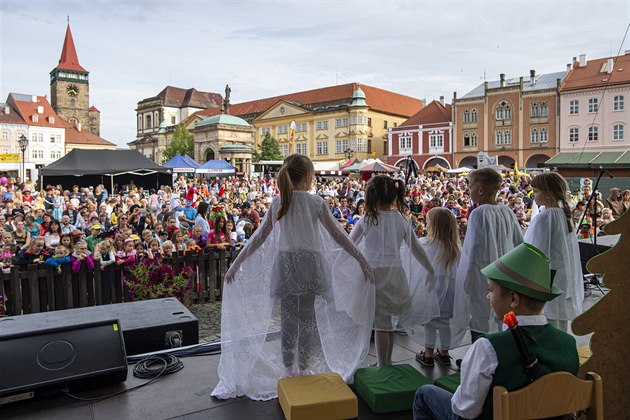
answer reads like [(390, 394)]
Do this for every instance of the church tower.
[(70, 90)]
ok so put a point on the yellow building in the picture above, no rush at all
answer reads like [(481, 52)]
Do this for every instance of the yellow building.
[(330, 123)]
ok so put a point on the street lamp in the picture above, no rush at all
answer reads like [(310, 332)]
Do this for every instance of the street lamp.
[(23, 143), (348, 152)]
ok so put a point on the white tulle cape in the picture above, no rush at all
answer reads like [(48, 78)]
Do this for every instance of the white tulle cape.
[(288, 270)]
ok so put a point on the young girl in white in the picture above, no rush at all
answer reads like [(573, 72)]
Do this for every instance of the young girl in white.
[(284, 310), (552, 232), (443, 249), (388, 242)]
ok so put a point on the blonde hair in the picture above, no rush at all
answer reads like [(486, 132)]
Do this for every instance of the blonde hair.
[(442, 227), (555, 186), (296, 169)]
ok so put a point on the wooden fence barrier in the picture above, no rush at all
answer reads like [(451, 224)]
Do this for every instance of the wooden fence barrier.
[(40, 288)]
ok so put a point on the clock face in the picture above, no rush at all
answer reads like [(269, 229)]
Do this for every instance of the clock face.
[(73, 90)]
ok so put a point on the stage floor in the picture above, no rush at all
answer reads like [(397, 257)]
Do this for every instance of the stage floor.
[(186, 394)]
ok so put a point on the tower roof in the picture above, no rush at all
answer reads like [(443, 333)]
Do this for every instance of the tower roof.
[(69, 59)]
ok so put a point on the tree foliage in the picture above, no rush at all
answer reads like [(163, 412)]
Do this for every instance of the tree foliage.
[(269, 150), (183, 142)]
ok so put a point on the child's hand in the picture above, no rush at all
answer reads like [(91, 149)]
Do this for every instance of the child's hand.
[(229, 276), (59, 269)]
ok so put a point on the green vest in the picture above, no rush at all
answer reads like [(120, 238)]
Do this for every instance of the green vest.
[(555, 350)]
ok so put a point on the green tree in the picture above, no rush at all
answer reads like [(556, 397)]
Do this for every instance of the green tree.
[(183, 142), (269, 150)]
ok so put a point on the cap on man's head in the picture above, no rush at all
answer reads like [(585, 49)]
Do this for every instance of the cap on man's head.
[(95, 227), (246, 205)]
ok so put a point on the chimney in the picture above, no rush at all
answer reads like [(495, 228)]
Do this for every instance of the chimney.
[(609, 65), (532, 74), (583, 60), (574, 61), (78, 126), (454, 96), (7, 110), (502, 76), (34, 98), (442, 100), (424, 102), (568, 66), (40, 109)]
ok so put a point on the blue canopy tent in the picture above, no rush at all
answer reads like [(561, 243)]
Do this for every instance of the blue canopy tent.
[(216, 168), (180, 165), (191, 161)]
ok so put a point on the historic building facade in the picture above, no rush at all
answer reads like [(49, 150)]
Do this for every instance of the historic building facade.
[(512, 119), (426, 137)]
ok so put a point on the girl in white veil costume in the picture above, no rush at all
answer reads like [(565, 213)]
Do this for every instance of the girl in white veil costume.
[(552, 232), (285, 311), (402, 271)]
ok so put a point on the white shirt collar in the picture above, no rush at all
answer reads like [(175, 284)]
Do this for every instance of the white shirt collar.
[(529, 320)]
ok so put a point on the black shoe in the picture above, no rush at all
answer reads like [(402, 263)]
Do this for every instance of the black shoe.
[(424, 359), (443, 360), (458, 363)]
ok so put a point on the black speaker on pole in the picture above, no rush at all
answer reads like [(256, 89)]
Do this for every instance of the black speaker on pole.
[(69, 358)]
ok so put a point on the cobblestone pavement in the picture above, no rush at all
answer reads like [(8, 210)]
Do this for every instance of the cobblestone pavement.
[(209, 316)]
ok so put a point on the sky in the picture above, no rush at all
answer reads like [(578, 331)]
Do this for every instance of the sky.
[(424, 49)]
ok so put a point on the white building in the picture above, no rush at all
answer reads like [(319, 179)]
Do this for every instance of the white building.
[(12, 126)]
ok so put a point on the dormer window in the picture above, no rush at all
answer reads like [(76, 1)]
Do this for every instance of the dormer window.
[(40, 109), (51, 120), (35, 118)]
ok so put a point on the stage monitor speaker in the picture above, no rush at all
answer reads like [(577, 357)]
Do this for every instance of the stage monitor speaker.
[(44, 362)]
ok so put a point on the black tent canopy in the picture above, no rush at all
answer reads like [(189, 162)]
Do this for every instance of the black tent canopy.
[(107, 167)]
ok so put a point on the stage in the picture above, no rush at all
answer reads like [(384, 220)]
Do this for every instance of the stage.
[(186, 394)]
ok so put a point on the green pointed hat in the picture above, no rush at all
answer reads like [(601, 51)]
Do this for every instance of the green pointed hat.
[(525, 270)]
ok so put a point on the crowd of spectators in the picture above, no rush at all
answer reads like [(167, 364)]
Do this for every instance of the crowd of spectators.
[(54, 226)]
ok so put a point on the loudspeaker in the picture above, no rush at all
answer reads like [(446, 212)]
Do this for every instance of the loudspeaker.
[(47, 361)]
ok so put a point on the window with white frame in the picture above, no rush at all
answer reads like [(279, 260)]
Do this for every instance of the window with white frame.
[(38, 154), (173, 120), (503, 111), (593, 104), (473, 115), (354, 119), (52, 138), (539, 109), (574, 135), (300, 148), (283, 129), (593, 133), (507, 137), (284, 149), (300, 128), (436, 141), (5, 136), (321, 125), (544, 135), (341, 145), (58, 138), (360, 119), (264, 131), (35, 118), (361, 144), (34, 137), (498, 138), (618, 103), (40, 137), (574, 107), (55, 154), (618, 132), (404, 144), (534, 135), (341, 122), (466, 116), (322, 147), (470, 139)]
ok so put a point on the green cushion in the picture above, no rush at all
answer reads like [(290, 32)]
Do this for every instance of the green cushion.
[(386, 389), (449, 383)]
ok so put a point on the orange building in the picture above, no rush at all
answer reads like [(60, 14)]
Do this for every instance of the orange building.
[(514, 120)]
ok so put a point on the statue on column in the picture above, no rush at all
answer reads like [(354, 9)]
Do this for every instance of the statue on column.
[(226, 101)]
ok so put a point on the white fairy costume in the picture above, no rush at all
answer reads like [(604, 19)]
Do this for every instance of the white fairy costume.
[(401, 271), (492, 231), (287, 309), (548, 232)]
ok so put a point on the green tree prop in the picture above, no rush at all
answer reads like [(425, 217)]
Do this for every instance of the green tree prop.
[(609, 320), (183, 142), (269, 150)]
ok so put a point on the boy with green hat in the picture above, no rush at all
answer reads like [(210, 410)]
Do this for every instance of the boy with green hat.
[(519, 281)]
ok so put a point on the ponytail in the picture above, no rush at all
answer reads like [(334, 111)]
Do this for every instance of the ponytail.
[(399, 187), (567, 213), (286, 192)]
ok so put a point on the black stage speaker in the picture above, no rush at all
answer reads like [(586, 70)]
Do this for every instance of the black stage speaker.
[(46, 361), (587, 250)]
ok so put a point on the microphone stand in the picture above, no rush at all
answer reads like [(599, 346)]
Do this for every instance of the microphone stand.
[(411, 167)]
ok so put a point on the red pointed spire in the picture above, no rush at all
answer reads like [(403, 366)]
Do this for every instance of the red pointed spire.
[(69, 59)]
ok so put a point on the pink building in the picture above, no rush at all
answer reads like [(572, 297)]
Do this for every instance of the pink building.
[(426, 137)]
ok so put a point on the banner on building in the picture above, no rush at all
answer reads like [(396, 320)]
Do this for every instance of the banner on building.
[(483, 160), (10, 158)]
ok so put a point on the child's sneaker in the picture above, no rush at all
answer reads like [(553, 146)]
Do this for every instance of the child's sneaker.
[(443, 360), (425, 360)]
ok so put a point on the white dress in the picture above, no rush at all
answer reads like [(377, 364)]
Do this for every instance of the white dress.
[(548, 232), (287, 307), (401, 271), (492, 231)]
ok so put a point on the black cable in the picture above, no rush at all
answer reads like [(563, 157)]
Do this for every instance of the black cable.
[(143, 369)]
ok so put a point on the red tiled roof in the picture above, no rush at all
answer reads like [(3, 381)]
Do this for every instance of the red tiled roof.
[(83, 137), (11, 118), (178, 97), (93, 108), (434, 112), (69, 59), (25, 106), (591, 75), (377, 99)]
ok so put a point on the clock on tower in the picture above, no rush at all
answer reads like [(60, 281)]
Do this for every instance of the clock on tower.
[(73, 90)]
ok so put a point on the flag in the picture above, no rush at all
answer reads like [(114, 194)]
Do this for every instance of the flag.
[(516, 167), (292, 129)]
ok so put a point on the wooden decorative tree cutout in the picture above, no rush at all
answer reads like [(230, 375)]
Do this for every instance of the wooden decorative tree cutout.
[(609, 320)]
